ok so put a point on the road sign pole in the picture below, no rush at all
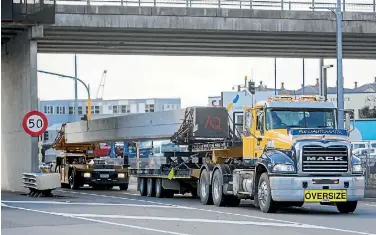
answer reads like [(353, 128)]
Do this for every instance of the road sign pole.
[(340, 93)]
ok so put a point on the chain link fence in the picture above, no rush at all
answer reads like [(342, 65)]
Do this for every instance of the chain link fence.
[(366, 151)]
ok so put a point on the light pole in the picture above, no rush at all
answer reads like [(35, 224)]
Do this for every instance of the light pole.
[(83, 83), (324, 85), (340, 93)]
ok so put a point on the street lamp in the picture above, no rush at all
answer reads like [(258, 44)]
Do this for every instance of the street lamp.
[(324, 84), (340, 91), (83, 83)]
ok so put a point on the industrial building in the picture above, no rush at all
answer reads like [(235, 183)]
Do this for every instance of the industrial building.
[(60, 111), (356, 98)]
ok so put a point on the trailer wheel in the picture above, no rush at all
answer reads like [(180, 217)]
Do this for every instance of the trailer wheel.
[(267, 205), (346, 207), (205, 189), (142, 186), (218, 198), (159, 190), (150, 187)]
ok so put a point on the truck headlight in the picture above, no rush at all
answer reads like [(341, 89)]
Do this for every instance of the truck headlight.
[(357, 168), (283, 168), (121, 175), (87, 175)]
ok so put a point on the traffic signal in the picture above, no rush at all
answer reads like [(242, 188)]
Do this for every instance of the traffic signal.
[(251, 87), (45, 136)]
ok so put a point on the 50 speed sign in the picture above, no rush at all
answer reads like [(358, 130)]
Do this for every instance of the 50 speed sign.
[(35, 123)]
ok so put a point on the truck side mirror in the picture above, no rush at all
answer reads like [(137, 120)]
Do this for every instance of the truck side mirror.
[(347, 123)]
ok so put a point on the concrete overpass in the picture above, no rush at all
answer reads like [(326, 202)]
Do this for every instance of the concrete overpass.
[(209, 32), (158, 31)]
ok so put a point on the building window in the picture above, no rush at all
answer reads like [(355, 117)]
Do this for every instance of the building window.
[(114, 109), (351, 112), (96, 109), (71, 110), (149, 108), (60, 110), (79, 109), (125, 109), (49, 109)]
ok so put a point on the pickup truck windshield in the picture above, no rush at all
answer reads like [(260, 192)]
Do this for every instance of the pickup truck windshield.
[(313, 118)]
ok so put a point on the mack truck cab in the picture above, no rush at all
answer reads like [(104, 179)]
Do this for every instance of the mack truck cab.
[(292, 153)]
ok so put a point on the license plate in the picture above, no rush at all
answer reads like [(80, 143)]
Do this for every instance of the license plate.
[(104, 175), (325, 195)]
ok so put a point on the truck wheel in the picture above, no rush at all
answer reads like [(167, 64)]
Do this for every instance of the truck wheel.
[(150, 187), (159, 191), (73, 184), (346, 207), (218, 198), (205, 190), (123, 186), (267, 205), (142, 186)]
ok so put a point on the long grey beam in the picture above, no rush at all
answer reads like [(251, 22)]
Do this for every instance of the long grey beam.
[(144, 126)]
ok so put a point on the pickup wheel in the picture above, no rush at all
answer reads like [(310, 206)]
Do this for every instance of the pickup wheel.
[(73, 184), (150, 187), (205, 189), (346, 207), (159, 190), (142, 186), (123, 186), (267, 205)]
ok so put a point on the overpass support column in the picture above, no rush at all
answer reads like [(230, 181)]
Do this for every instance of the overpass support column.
[(19, 95)]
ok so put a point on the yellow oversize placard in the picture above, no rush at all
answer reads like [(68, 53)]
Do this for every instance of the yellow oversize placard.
[(325, 195)]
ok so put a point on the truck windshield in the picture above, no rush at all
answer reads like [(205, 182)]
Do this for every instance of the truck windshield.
[(307, 118)]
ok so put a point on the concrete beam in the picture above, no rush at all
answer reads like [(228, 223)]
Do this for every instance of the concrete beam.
[(19, 95)]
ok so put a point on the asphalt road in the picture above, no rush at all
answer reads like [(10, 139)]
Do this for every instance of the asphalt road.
[(88, 211)]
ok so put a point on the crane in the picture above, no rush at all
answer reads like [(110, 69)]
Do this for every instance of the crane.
[(101, 85)]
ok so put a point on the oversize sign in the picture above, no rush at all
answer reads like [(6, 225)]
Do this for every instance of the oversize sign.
[(35, 123)]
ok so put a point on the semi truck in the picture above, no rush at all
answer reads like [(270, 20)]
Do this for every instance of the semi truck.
[(284, 152), (77, 165)]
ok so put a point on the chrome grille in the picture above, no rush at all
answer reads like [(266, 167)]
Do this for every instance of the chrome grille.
[(324, 159)]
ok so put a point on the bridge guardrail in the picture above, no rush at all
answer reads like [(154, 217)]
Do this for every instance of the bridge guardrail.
[(289, 5), (367, 156)]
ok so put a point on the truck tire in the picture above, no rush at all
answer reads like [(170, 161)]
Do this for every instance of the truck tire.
[(346, 207), (73, 184), (267, 205), (217, 189), (220, 199), (123, 186), (142, 186), (151, 187), (159, 190), (205, 189)]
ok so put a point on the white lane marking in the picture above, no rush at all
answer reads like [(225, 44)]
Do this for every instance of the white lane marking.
[(97, 204), (194, 208), (115, 197), (233, 214), (133, 194), (197, 220), (94, 220)]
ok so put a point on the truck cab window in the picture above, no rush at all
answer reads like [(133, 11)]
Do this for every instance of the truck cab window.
[(260, 120)]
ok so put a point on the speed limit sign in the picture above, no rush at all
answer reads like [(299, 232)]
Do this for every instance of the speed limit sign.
[(35, 123)]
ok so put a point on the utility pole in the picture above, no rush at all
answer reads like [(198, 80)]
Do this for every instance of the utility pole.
[(303, 77), (275, 76), (75, 87), (340, 92)]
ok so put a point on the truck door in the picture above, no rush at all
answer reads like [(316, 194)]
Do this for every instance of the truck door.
[(260, 140), (248, 135)]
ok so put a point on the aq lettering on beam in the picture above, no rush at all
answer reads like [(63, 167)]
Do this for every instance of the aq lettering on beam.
[(214, 123)]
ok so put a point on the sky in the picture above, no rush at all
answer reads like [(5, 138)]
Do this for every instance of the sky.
[(192, 79)]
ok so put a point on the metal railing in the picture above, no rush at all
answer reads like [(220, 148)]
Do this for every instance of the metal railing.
[(293, 5), (366, 151)]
